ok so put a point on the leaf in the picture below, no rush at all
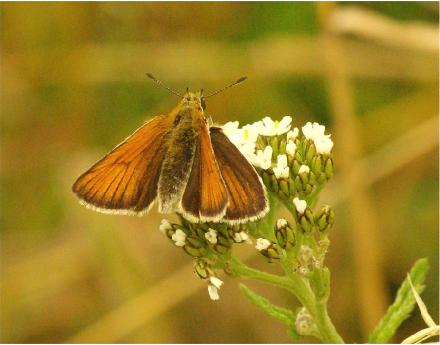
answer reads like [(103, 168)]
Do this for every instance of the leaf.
[(403, 305), (286, 316)]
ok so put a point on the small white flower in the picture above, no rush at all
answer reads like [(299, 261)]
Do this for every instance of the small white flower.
[(300, 205), (213, 287), (179, 238), (281, 223), (213, 293), (251, 132), (262, 244), (303, 169), (324, 144), (230, 127), (291, 135), (211, 236), (216, 282), (257, 127), (271, 128), (164, 226), (281, 170), (264, 158), (313, 130), (241, 236), (291, 148)]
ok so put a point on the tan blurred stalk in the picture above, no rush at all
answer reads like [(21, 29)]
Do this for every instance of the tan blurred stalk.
[(368, 24), (369, 281)]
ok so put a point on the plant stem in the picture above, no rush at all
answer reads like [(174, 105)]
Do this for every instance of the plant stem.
[(316, 306), (325, 326), (239, 269), (298, 286)]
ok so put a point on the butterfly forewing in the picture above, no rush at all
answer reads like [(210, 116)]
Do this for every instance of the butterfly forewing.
[(205, 196), (247, 197), (125, 180)]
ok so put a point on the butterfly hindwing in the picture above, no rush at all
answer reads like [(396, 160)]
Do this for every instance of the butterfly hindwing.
[(205, 197), (247, 196), (125, 180)]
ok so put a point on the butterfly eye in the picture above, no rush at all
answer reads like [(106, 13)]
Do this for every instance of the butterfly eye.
[(203, 103)]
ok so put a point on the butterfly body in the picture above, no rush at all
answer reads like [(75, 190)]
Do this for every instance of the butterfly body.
[(183, 163)]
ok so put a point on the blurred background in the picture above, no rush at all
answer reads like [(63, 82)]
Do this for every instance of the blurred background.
[(73, 85)]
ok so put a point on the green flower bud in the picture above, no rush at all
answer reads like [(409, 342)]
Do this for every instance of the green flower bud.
[(285, 234), (194, 246), (223, 245), (202, 269), (274, 184), (316, 165), (282, 146), (329, 168), (292, 187), (274, 145), (306, 220), (270, 250), (283, 191), (194, 242), (325, 219), (273, 253), (222, 228), (266, 177), (193, 251), (311, 152)]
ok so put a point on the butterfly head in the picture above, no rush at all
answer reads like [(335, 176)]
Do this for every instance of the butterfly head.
[(194, 99)]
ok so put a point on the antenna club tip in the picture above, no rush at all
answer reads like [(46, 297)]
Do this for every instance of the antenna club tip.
[(242, 79), (149, 75)]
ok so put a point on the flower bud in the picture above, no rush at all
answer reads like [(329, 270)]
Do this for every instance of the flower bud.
[(325, 219), (223, 244), (194, 246), (202, 269), (316, 165), (306, 220), (328, 168), (285, 234), (310, 151), (270, 250)]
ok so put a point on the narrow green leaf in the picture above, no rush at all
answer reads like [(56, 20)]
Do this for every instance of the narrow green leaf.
[(286, 316), (403, 305)]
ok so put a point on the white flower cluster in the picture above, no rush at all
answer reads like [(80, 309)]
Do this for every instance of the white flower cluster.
[(245, 139), (314, 131)]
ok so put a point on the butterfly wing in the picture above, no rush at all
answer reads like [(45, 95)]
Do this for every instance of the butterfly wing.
[(125, 180), (247, 195), (205, 197)]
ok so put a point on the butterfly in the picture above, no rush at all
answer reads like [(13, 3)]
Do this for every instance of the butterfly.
[(182, 162)]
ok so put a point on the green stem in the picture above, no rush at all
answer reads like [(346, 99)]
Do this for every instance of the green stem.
[(298, 286), (325, 326), (239, 269), (316, 306)]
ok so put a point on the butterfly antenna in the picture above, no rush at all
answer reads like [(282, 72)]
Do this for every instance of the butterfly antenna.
[(157, 81), (242, 79)]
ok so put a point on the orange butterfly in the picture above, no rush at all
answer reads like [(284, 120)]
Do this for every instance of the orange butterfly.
[(179, 160)]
